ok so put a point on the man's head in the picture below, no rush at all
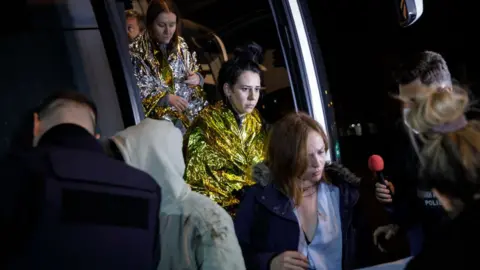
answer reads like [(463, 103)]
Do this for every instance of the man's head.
[(66, 107), (135, 24), (425, 70)]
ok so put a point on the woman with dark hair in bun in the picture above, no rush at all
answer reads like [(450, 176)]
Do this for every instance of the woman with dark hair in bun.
[(226, 139)]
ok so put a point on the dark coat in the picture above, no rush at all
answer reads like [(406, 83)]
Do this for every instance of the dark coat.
[(68, 152), (267, 226), (454, 247), (411, 210)]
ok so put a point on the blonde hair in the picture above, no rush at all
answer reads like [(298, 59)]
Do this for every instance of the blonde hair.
[(451, 145)]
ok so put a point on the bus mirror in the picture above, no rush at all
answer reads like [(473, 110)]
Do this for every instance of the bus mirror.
[(409, 11)]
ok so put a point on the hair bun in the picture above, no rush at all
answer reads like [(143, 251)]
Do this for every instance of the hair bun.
[(447, 104), (249, 52), (438, 107)]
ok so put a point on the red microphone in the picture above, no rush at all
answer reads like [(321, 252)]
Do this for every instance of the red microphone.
[(376, 165)]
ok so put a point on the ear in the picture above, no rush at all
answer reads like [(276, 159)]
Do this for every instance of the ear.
[(36, 125), (227, 90)]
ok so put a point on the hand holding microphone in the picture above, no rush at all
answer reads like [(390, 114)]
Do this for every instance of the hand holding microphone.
[(383, 188), (384, 191)]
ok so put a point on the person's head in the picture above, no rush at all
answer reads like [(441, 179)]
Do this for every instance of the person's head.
[(134, 23), (161, 157), (296, 154), (239, 79), (450, 155), (163, 21), (65, 107), (421, 72)]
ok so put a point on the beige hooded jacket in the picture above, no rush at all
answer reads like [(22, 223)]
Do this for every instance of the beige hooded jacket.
[(195, 233)]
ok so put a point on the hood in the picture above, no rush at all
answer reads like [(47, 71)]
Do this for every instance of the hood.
[(261, 174), (336, 172), (155, 146)]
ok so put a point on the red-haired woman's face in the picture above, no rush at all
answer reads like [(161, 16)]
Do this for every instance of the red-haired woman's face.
[(316, 157), (164, 27)]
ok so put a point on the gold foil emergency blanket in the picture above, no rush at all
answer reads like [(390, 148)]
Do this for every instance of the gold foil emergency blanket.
[(220, 154), (157, 76)]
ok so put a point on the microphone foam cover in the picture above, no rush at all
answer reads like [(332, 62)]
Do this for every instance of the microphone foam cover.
[(375, 163)]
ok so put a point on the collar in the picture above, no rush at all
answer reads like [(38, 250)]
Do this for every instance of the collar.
[(70, 136), (277, 202), (237, 117)]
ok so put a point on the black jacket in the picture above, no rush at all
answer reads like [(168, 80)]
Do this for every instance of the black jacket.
[(69, 154), (413, 204), (455, 246)]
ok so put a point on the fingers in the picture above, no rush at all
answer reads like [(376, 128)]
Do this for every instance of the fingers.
[(391, 187), (384, 198), (192, 79), (292, 263), (382, 193), (390, 233), (180, 107), (377, 233), (294, 267), (379, 185), (296, 255), (381, 189), (183, 104), (180, 104), (296, 259)]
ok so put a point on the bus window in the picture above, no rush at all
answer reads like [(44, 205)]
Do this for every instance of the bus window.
[(59, 46)]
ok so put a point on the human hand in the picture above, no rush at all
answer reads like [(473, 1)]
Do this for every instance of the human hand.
[(388, 231), (193, 79), (178, 102), (382, 192), (291, 260)]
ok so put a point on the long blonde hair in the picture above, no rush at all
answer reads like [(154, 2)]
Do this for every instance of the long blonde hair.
[(450, 156)]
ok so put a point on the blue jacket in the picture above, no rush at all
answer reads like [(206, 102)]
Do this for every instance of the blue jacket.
[(266, 225)]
